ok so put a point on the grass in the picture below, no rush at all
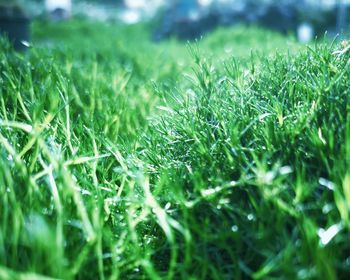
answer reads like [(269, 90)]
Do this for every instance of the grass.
[(124, 159)]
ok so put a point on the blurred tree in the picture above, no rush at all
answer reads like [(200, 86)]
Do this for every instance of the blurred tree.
[(14, 23), (341, 15), (8, 2)]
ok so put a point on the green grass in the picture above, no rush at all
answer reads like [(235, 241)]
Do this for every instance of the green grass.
[(123, 159)]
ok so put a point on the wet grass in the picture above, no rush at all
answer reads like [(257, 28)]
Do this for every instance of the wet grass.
[(125, 159)]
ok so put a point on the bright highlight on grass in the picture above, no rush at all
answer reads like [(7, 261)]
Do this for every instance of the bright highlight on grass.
[(131, 160)]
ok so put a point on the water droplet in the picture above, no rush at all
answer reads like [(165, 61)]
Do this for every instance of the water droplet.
[(234, 228), (233, 183), (85, 192), (25, 43), (326, 183), (284, 170), (327, 235), (224, 201), (327, 208), (228, 49), (107, 255), (251, 217), (167, 206)]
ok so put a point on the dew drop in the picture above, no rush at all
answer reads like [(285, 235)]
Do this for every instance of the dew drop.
[(327, 235), (234, 228), (167, 206), (251, 217)]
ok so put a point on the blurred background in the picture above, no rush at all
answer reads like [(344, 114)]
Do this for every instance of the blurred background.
[(184, 19)]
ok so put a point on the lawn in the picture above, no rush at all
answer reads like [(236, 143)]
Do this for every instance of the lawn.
[(225, 158)]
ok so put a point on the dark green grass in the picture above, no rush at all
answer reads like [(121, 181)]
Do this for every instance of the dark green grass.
[(123, 159)]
